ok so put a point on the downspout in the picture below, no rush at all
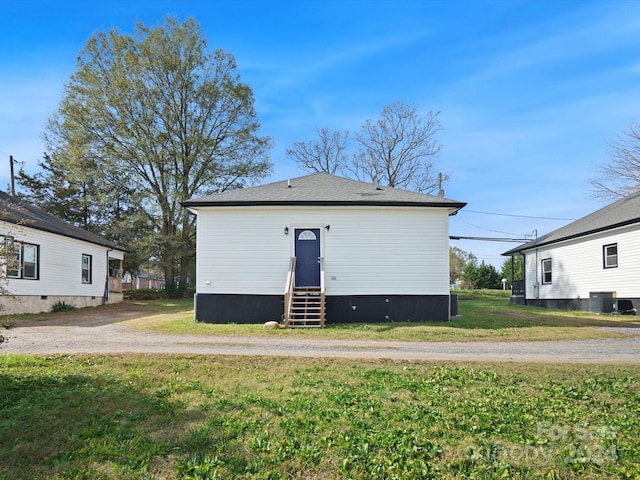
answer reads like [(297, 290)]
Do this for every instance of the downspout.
[(105, 297), (524, 276), (536, 284)]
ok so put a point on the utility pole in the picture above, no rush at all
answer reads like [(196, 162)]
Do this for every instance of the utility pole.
[(13, 178)]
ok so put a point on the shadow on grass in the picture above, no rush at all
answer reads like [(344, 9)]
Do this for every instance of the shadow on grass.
[(78, 426)]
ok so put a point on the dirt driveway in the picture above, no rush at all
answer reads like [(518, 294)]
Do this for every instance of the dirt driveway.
[(102, 330)]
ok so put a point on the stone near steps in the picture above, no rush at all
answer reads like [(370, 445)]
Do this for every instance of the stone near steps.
[(271, 324)]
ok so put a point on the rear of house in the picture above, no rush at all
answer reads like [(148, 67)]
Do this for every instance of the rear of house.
[(374, 253), (587, 265), (47, 260)]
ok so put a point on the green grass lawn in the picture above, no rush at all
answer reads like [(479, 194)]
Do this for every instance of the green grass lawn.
[(485, 315), (216, 417)]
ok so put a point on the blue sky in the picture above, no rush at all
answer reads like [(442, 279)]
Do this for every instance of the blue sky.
[(531, 94)]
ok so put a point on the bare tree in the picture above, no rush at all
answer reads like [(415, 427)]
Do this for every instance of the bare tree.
[(326, 154), (621, 175), (396, 150)]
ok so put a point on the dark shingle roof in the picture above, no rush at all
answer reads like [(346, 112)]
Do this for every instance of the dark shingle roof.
[(621, 213), (323, 189), (14, 210)]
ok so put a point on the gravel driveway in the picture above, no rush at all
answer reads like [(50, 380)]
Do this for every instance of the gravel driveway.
[(105, 334)]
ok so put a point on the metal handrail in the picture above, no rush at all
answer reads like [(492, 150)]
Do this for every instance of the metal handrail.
[(322, 291), (518, 287)]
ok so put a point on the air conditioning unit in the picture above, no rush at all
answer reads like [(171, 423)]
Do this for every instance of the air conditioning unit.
[(602, 302)]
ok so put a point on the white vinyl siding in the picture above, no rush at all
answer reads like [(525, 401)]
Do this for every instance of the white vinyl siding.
[(59, 264), (367, 250), (578, 266)]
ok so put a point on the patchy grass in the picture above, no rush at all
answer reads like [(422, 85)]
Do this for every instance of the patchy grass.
[(485, 315), (197, 417)]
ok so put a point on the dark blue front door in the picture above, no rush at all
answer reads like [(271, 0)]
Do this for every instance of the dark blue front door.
[(307, 257)]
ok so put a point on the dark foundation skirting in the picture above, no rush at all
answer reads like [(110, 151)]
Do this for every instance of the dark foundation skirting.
[(237, 308)]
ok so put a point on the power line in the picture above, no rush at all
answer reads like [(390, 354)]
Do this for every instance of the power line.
[(495, 231), (518, 216), (490, 239)]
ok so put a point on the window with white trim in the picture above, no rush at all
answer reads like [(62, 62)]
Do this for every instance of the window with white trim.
[(86, 268), (610, 255), (22, 259), (546, 271)]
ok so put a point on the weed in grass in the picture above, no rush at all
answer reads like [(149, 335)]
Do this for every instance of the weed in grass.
[(198, 468), (62, 306), (126, 417)]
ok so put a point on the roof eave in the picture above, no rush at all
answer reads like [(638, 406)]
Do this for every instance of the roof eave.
[(106, 243), (532, 245), (189, 204)]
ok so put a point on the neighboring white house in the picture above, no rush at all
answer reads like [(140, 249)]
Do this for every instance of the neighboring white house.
[(49, 260), (587, 264), (376, 253)]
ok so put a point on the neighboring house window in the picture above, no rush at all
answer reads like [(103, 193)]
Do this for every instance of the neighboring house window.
[(86, 268), (30, 261), (23, 259), (546, 271), (14, 257), (610, 255)]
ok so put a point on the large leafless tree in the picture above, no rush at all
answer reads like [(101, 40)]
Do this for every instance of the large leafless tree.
[(327, 153), (395, 150), (620, 176)]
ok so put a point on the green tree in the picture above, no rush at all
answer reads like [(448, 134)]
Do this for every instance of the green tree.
[(458, 258), (488, 277), (518, 268), (76, 196), (158, 116), (480, 276)]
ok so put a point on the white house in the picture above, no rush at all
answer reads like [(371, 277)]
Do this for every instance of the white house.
[(273, 251), (48, 260), (587, 264)]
